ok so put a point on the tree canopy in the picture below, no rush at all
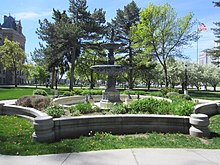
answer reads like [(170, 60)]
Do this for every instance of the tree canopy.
[(161, 34), (12, 57)]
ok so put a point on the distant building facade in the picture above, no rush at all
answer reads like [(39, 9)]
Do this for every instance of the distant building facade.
[(204, 59), (12, 30)]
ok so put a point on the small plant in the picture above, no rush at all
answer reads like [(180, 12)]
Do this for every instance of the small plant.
[(40, 92), (55, 111), (118, 109), (83, 108)]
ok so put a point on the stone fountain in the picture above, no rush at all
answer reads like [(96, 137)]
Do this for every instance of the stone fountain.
[(110, 94)]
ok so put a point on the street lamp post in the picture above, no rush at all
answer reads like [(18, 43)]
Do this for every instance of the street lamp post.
[(186, 80)]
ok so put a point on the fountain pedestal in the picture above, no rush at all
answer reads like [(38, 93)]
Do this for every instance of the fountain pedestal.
[(110, 95)]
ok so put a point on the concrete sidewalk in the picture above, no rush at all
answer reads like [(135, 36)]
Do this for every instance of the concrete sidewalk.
[(121, 157)]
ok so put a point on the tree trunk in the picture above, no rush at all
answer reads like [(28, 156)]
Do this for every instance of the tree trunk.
[(15, 77), (52, 78), (130, 73), (166, 75), (92, 80), (148, 85), (214, 87), (73, 52)]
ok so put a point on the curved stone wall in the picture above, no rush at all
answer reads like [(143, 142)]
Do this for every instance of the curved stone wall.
[(210, 109), (25, 112)]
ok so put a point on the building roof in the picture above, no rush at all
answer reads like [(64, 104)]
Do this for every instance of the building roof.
[(9, 23)]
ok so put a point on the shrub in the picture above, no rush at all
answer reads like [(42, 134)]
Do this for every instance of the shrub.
[(36, 101), (40, 92), (118, 109), (77, 91), (185, 96), (150, 106), (164, 91), (134, 92), (182, 107), (172, 95), (67, 93), (55, 111), (83, 108), (158, 94), (92, 92)]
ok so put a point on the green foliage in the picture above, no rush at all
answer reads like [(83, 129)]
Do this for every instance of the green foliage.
[(176, 96), (158, 94), (83, 108), (178, 106), (12, 57), (55, 111), (164, 91), (119, 109), (36, 101), (182, 107), (172, 95), (92, 92), (149, 106), (67, 93), (161, 33), (134, 92), (40, 92)]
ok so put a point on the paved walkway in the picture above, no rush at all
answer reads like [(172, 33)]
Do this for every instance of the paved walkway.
[(121, 157)]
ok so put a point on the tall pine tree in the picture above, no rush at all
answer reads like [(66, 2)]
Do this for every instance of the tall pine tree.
[(122, 24)]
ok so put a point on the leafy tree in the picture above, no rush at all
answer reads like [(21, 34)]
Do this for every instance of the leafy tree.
[(160, 32), (215, 52), (212, 73), (12, 57), (122, 24), (65, 36), (195, 74), (84, 63)]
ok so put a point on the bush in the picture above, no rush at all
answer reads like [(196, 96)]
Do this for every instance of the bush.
[(67, 93), (118, 109), (92, 92), (55, 111), (83, 108), (134, 92), (182, 107), (158, 94), (40, 92), (164, 91), (36, 101), (185, 96), (150, 106), (172, 95)]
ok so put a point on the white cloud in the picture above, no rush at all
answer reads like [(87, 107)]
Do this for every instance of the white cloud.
[(31, 15)]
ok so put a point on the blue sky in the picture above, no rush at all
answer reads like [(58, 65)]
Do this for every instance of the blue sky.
[(29, 12)]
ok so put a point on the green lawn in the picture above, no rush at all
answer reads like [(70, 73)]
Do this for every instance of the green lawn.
[(14, 93), (207, 95), (15, 139)]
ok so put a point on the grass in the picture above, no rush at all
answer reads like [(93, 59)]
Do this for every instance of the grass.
[(207, 95), (15, 139), (14, 93)]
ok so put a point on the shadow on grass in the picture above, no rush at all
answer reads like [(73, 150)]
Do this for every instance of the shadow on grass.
[(214, 135)]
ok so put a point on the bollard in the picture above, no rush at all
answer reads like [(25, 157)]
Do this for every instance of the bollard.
[(43, 126), (199, 125)]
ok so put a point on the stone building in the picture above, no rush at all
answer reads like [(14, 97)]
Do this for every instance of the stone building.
[(11, 29)]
